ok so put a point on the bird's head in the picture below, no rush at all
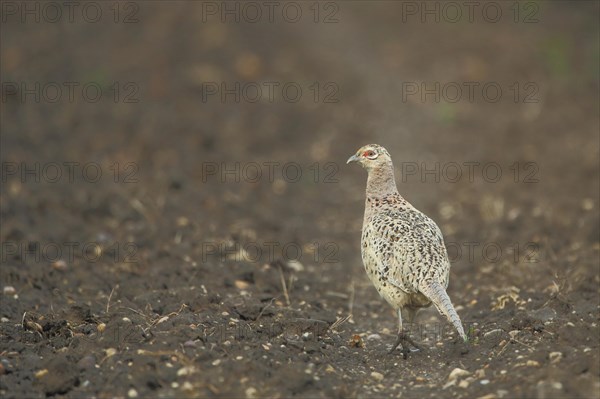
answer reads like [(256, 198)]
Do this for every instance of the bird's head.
[(371, 157)]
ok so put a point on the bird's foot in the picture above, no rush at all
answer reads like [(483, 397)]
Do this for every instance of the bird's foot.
[(405, 341)]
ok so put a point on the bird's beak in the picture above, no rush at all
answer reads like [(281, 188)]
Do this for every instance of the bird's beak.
[(353, 158)]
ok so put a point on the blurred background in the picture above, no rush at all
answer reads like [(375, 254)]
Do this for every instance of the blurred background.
[(490, 113)]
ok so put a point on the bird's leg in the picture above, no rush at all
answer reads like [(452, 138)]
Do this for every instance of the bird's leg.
[(403, 337), (412, 312)]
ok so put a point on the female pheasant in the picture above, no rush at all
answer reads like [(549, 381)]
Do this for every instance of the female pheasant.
[(402, 249)]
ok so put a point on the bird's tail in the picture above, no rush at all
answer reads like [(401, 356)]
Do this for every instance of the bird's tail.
[(437, 294)]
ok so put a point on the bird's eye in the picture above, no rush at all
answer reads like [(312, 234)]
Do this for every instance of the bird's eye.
[(370, 154)]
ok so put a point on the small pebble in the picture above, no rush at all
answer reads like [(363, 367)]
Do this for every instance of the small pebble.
[(60, 265), (555, 357), (182, 221), (457, 373), (484, 382), (132, 393), (190, 344), (295, 265), (587, 204), (241, 284), (377, 376), (374, 337), (251, 392), (184, 371), (9, 290), (41, 373)]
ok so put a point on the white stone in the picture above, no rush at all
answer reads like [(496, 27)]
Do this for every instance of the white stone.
[(377, 376)]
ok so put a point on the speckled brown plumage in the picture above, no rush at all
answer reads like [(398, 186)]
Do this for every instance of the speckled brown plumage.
[(402, 249)]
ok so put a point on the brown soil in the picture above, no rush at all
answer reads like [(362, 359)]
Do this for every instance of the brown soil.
[(179, 282)]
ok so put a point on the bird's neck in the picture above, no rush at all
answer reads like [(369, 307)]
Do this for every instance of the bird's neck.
[(381, 182)]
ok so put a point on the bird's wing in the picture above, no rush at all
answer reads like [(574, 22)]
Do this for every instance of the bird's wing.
[(410, 247)]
